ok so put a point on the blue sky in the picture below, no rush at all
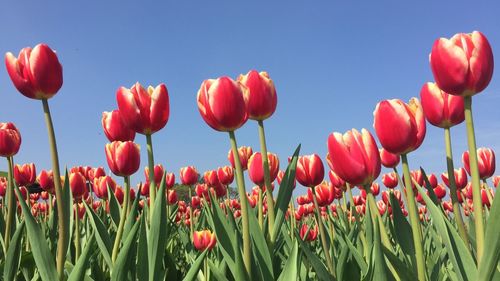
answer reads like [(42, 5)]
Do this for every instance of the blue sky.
[(331, 63)]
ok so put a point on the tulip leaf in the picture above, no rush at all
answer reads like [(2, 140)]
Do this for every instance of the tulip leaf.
[(114, 207), (403, 233), (195, 267), (378, 261), (427, 185), (142, 251), (289, 271), (490, 260), (131, 218), (67, 197), (78, 272), (102, 236), (317, 264), (239, 270), (44, 259), (123, 261), (217, 272), (285, 194), (13, 256), (157, 234)]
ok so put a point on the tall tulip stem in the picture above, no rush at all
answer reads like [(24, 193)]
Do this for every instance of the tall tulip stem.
[(247, 251), (476, 184), (453, 188), (78, 247), (151, 165), (267, 179), (123, 218), (326, 249), (63, 228), (414, 221), (191, 226), (11, 212)]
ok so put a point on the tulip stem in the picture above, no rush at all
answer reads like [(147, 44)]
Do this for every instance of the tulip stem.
[(191, 222), (63, 228), (267, 180), (11, 212), (488, 192), (322, 232), (247, 251), (414, 221), (476, 184), (292, 220), (376, 214), (77, 233), (453, 188), (151, 165), (260, 214), (352, 206), (123, 218)]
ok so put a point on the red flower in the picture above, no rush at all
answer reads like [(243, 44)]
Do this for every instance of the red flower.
[(256, 170), (100, 186), (203, 240), (389, 160), (312, 235), (440, 191), (244, 153), (310, 171), (441, 109), (262, 98), (123, 157), (46, 180), (324, 193), (115, 128), (158, 173), (223, 104), (10, 139), (225, 175), (390, 180), (189, 175), (485, 162), (36, 73), (169, 180), (462, 65), (144, 111), (78, 185), (25, 174)]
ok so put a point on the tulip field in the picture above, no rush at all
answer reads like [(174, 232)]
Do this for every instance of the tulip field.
[(345, 220)]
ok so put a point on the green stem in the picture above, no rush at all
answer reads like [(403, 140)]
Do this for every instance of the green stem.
[(352, 206), (322, 233), (453, 188), (267, 180), (488, 191), (260, 211), (205, 273), (151, 166), (11, 201), (77, 234), (62, 242), (123, 218), (414, 221), (191, 226), (476, 184), (292, 219), (247, 251), (376, 214)]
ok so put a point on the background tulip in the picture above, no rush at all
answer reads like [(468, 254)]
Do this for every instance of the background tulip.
[(462, 65), (310, 171), (486, 162), (441, 109), (46, 180), (256, 171), (389, 160), (460, 178), (36, 73), (78, 185), (10, 139), (203, 240), (101, 184), (262, 98), (25, 174), (158, 173), (189, 175), (390, 180), (244, 152), (123, 157), (115, 128), (225, 175)]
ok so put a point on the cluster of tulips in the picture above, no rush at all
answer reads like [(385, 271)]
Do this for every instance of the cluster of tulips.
[(85, 225)]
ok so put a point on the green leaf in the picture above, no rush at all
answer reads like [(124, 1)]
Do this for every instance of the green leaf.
[(289, 271), (67, 197), (403, 233), (78, 272), (239, 270), (317, 264), (157, 234), (13, 256), (378, 261), (131, 218), (142, 251), (490, 260), (195, 267), (428, 186), (285, 194), (102, 236), (217, 272), (44, 260), (114, 207), (123, 261)]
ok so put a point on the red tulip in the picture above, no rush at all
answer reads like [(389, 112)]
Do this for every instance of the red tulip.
[(496, 181), (382, 207), (3, 186), (115, 128), (389, 160), (25, 174), (256, 170), (484, 198), (195, 201), (78, 185), (390, 180), (460, 178), (10, 139), (169, 180), (223, 104), (143, 188), (485, 162), (96, 173), (158, 173), (244, 152), (262, 98), (171, 197), (432, 180), (201, 190), (189, 175), (354, 156), (375, 189), (304, 199), (336, 180), (46, 180), (310, 171), (440, 191), (144, 111), (441, 109), (311, 235), (225, 175), (462, 65), (210, 178), (101, 184), (36, 73), (324, 193), (123, 157), (203, 240), (400, 127), (119, 194)]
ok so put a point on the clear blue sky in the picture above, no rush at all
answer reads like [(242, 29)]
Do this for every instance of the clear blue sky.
[(331, 63)]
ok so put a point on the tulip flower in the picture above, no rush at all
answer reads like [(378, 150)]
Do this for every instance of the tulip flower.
[(440, 191), (441, 109), (486, 162), (225, 175), (210, 178), (123, 157), (312, 232), (96, 173), (389, 160), (432, 180), (3, 186), (10, 139), (310, 171), (158, 173), (25, 174), (115, 128), (46, 180), (78, 185), (101, 184), (223, 104), (203, 240), (336, 180), (256, 171), (354, 156), (36, 73), (324, 193), (262, 98), (462, 65), (171, 197), (460, 178), (390, 180), (244, 153), (189, 175), (400, 127), (496, 181), (169, 180)]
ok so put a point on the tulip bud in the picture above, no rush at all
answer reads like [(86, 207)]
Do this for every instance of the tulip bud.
[(46, 180), (169, 180), (189, 175), (441, 109), (390, 180), (312, 232), (36, 73), (123, 157), (389, 160), (310, 171), (115, 128), (158, 173), (324, 193), (225, 175), (3, 186), (25, 174), (100, 186), (256, 170), (78, 185), (440, 191), (485, 162), (244, 152), (262, 98), (10, 139), (203, 240), (96, 173)]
